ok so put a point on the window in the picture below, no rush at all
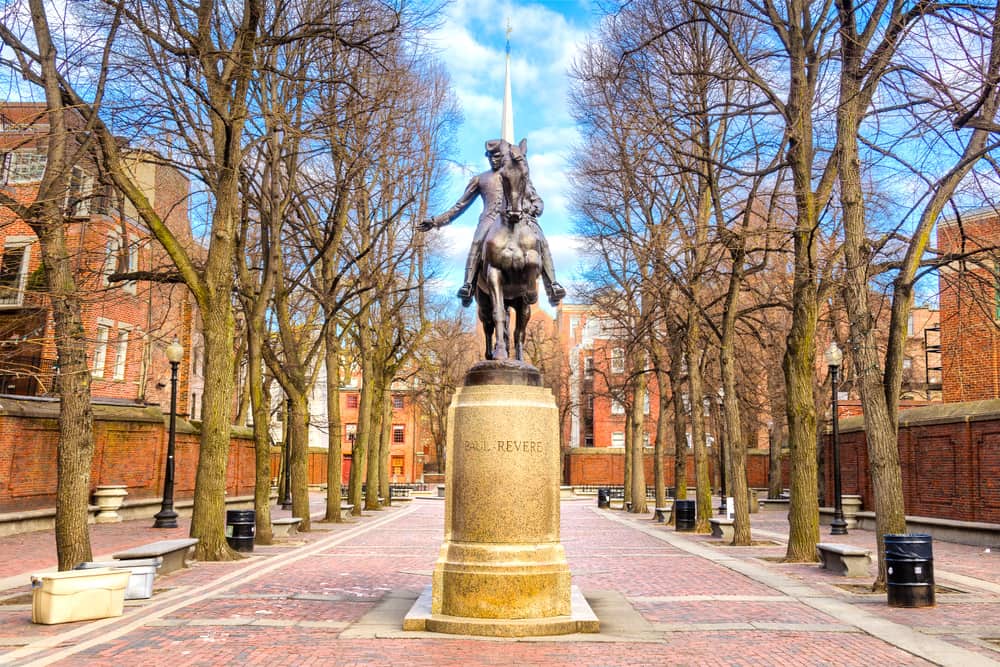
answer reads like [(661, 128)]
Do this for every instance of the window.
[(588, 440), (588, 366), (111, 251), (133, 263), (397, 466), (907, 363), (645, 403), (101, 349), (121, 354), (352, 401), (25, 166), (618, 360), (80, 194), (398, 434), (350, 432), (397, 402), (617, 408), (14, 270), (618, 439), (909, 324)]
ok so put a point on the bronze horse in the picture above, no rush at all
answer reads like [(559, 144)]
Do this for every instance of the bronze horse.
[(511, 264)]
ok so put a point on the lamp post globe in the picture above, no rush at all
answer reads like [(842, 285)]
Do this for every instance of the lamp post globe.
[(167, 517), (834, 357)]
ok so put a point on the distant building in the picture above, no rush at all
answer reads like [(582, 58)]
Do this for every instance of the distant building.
[(969, 346)]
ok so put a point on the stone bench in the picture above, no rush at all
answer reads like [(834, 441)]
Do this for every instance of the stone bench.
[(173, 552), (285, 526), (723, 528), (662, 514), (844, 559), (345, 510)]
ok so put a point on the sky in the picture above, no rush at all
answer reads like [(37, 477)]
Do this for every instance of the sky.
[(545, 39)]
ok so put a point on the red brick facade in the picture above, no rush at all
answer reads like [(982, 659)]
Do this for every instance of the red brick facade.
[(969, 300), (128, 325)]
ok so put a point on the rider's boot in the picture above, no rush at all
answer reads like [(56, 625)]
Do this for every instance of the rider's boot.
[(471, 264), (554, 290)]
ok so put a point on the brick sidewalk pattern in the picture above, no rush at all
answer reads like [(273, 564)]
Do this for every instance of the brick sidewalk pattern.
[(336, 596)]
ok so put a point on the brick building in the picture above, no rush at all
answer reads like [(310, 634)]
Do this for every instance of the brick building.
[(128, 324), (408, 440), (970, 307)]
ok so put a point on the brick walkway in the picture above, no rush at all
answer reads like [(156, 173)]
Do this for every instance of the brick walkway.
[(338, 594)]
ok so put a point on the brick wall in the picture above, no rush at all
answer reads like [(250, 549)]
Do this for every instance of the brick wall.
[(130, 448), (950, 460), (596, 466)]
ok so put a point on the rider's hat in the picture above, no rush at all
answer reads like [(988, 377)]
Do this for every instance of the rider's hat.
[(494, 147)]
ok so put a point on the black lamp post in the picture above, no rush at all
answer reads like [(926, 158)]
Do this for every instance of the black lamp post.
[(833, 359), (167, 517), (286, 501)]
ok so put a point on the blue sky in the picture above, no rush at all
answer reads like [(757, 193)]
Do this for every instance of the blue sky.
[(545, 39)]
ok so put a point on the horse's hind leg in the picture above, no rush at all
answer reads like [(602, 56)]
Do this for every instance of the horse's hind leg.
[(499, 314)]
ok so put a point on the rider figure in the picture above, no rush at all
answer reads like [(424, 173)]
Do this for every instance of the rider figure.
[(488, 186)]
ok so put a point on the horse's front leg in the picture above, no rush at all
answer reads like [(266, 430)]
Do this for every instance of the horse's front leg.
[(499, 313), (521, 328), (486, 317)]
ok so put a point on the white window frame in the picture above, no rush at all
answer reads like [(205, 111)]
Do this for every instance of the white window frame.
[(618, 360), (133, 263), (81, 190), (617, 408), (25, 166), (618, 437), (907, 363), (645, 403), (18, 243), (401, 429), (112, 248), (100, 360), (121, 352)]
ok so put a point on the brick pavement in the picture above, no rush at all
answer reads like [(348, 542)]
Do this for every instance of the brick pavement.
[(337, 596)]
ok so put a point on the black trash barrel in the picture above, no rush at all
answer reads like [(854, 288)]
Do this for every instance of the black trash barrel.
[(686, 514), (603, 498), (241, 526), (909, 567)]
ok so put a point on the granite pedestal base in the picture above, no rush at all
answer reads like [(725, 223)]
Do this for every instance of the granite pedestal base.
[(502, 570)]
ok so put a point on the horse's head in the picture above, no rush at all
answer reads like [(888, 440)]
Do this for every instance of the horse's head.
[(514, 177)]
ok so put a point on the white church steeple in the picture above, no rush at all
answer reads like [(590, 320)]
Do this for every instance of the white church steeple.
[(507, 121)]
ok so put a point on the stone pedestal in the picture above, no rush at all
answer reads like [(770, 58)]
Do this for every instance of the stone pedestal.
[(502, 570)]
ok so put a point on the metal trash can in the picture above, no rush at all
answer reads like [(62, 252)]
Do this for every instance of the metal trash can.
[(909, 568), (686, 515), (604, 498), (241, 527)]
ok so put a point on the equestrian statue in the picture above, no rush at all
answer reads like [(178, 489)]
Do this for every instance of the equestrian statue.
[(509, 251)]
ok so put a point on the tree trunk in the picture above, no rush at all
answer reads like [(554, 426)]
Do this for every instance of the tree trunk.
[(703, 484), (374, 426), (659, 447), (259, 403), (799, 367), (208, 515), (635, 425), (75, 452), (334, 456), (76, 419), (300, 459), (677, 353), (627, 464), (880, 426), (385, 447)]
